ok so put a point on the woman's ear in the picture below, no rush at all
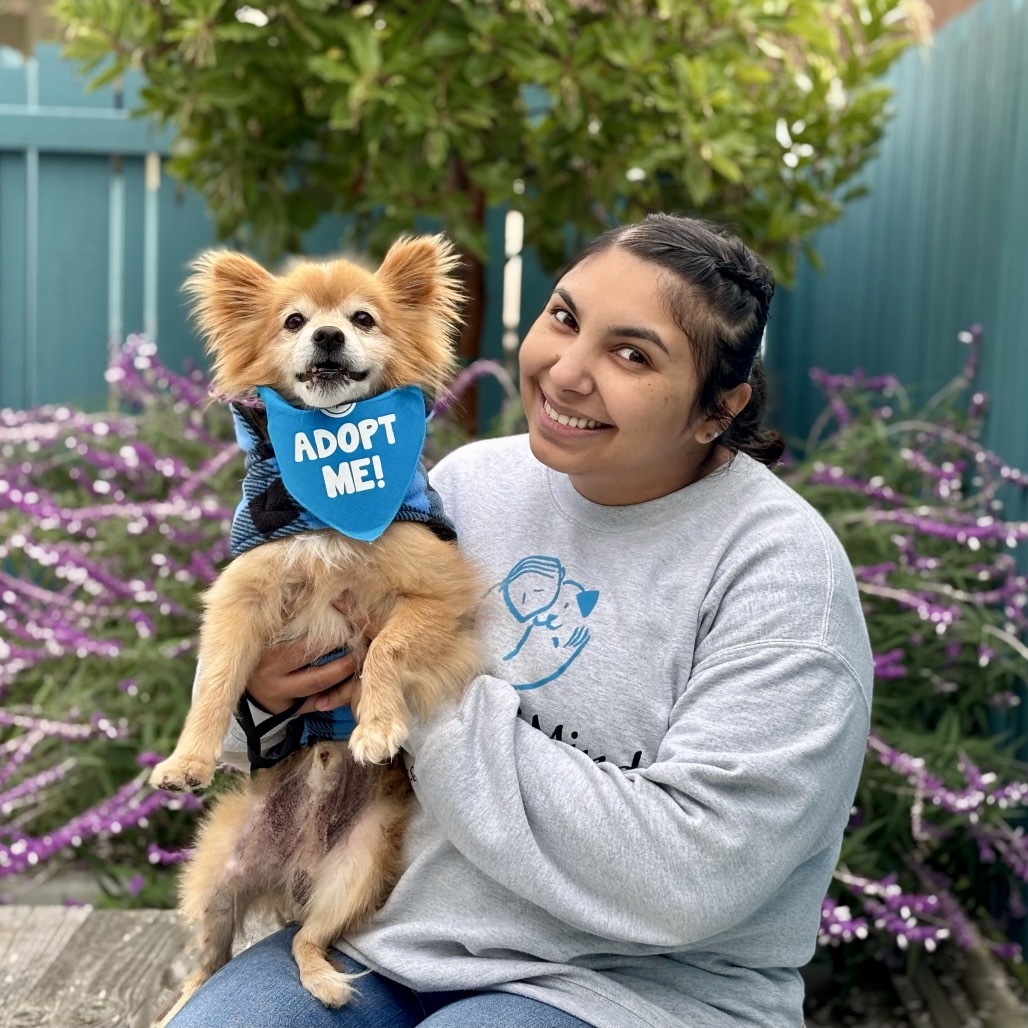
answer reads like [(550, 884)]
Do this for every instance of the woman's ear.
[(732, 402)]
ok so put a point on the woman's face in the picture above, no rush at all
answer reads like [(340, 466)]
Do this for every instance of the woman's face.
[(609, 385)]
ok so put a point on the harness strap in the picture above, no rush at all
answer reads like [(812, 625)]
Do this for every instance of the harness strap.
[(316, 726)]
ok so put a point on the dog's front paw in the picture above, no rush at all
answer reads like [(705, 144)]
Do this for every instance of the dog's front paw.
[(328, 985), (182, 774), (377, 742)]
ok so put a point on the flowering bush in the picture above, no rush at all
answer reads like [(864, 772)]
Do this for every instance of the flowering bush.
[(98, 622), (110, 525), (934, 850)]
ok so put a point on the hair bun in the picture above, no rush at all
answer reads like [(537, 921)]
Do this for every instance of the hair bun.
[(761, 286)]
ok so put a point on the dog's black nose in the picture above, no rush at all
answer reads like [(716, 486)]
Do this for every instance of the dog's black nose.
[(329, 338)]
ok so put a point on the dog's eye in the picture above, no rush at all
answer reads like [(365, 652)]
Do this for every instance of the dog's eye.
[(295, 322), (362, 319)]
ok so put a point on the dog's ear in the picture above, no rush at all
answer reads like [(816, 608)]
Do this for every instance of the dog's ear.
[(227, 289), (425, 271), (230, 294)]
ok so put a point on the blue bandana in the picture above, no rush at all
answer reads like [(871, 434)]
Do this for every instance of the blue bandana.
[(331, 469)]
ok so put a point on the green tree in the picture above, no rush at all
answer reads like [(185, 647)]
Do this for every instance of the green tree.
[(577, 112)]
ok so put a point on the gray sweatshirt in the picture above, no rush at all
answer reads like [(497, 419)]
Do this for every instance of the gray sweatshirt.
[(635, 813)]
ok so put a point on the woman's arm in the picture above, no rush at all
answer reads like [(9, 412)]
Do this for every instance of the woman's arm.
[(756, 774)]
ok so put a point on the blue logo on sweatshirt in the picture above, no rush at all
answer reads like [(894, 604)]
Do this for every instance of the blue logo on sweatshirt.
[(549, 610)]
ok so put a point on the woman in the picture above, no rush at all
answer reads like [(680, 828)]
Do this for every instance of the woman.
[(631, 820)]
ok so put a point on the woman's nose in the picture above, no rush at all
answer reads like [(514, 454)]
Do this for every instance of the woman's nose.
[(571, 369)]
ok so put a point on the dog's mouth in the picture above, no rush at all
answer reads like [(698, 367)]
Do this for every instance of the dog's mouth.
[(330, 373)]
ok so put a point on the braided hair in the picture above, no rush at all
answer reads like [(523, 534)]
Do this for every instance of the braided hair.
[(719, 296)]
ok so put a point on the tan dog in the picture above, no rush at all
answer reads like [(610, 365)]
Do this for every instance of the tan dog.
[(317, 837)]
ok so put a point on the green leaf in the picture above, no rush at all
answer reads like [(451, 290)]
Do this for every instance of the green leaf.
[(437, 147), (445, 41), (364, 47), (753, 74), (724, 165), (816, 32), (698, 182)]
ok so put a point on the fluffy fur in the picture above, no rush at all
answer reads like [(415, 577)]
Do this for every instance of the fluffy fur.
[(317, 837)]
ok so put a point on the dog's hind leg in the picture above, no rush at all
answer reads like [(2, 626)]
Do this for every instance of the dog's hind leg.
[(244, 610), (351, 882), (216, 890)]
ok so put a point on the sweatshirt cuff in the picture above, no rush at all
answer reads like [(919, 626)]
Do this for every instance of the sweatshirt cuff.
[(233, 749)]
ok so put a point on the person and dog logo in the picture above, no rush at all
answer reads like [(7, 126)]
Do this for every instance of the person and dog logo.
[(548, 611)]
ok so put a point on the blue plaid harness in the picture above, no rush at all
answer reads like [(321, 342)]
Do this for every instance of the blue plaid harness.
[(267, 512)]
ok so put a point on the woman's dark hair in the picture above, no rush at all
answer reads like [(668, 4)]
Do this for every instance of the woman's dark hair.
[(720, 301)]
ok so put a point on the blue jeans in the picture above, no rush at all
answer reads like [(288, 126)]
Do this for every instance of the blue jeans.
[(261, 989)]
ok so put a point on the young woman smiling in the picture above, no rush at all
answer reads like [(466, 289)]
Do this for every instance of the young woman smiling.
[(606, 374), (631, 820)]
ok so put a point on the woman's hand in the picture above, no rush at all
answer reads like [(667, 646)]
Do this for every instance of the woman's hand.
[(282, 677)]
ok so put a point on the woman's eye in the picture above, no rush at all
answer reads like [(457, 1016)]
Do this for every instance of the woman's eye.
[(362, 319), (295, 322), (563, 315), (630, 353)]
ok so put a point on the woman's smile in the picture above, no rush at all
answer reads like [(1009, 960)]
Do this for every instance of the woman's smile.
[(557, 418)]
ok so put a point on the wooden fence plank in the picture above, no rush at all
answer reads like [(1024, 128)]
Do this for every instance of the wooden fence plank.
[(74, 130), (72, 318), (61, 85), (13, 391)]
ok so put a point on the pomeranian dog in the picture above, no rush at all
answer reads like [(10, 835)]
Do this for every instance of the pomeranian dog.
[(316, 838)]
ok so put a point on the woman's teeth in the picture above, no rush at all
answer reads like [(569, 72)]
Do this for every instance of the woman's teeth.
[(563, 419)]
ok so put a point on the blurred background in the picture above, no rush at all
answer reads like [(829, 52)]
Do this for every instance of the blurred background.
[(874, 151)]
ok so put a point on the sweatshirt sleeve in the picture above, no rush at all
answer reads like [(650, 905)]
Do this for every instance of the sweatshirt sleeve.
[(233, 748), (756, 774)]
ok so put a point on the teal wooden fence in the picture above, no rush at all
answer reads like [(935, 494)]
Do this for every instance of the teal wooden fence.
[(82, 260), (95, 240), (940, 242)]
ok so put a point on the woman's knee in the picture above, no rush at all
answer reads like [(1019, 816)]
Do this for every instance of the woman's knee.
[(501, 1010)]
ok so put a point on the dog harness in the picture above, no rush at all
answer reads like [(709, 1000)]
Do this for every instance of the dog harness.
[(270, 510)]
